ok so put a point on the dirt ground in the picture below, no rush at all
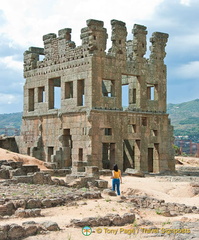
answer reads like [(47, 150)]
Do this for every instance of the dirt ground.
[(178, 192)]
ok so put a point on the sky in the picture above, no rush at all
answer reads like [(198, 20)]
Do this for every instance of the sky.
[(23, 24)]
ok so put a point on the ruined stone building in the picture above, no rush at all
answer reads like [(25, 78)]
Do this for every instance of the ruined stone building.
[(73, 114)]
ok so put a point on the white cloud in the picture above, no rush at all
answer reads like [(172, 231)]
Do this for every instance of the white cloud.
[(9, 62), (185, 2), (27, 21), (7, 98), (188, 71)]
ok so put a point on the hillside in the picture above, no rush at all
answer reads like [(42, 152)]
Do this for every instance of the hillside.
[(11, 120), (184, 117)]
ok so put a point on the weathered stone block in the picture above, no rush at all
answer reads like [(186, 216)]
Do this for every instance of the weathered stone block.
[(102, 183), (30, 168), (134, 172), (4, 174), (30, 230), (23, 179), (50, 226), (33, 203), (16, 232)]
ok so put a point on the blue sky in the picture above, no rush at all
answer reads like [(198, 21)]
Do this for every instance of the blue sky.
[(23, 24)]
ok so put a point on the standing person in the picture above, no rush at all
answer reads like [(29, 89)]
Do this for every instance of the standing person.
[(116, 179)]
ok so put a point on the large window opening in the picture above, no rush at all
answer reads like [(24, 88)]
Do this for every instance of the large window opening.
[(31, 99), (68, 90), (55, 93), (108, 88), (80, 93), (130, 89)]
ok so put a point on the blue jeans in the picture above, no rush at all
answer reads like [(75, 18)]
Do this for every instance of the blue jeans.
[(116, 183)]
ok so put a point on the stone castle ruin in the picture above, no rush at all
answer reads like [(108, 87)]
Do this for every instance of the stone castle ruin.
[(73, 114)]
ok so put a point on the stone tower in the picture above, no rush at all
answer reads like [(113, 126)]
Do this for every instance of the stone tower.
[(73, 114)]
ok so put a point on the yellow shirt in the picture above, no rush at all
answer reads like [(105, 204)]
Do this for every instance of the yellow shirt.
[(116, 174)]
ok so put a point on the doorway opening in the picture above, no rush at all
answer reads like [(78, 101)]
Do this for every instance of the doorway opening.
[(50, 153), (108, 155), (128, 154), (150, 159)]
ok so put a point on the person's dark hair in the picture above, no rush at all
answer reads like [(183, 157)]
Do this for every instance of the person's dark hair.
[(115, 168)]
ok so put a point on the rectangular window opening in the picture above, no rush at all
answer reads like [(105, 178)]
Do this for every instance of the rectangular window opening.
[(28, 151), (41, 57), (41, 94), (68, 90), (108, 88), (134, 96), (150, 92), (132, 128), (84, 131), (125, 95), (55, 93), (108, 131), (150, 159), (80, 93), (144, 121), (31, 99), (80, 154), (50, 153), (155, 133)]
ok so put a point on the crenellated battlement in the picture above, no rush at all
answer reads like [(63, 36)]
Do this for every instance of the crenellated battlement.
[(59, 49)]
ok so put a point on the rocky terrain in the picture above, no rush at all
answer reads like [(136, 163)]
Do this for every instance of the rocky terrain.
[(150, 207)]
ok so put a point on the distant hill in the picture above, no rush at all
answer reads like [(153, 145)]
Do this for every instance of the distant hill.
[(184, 117), (10, 121)]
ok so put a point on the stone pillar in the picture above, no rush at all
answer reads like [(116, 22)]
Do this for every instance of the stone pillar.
[(139, 41), (48, 41), (118, 38), (158, 41), (95, 36), (158, 68)]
